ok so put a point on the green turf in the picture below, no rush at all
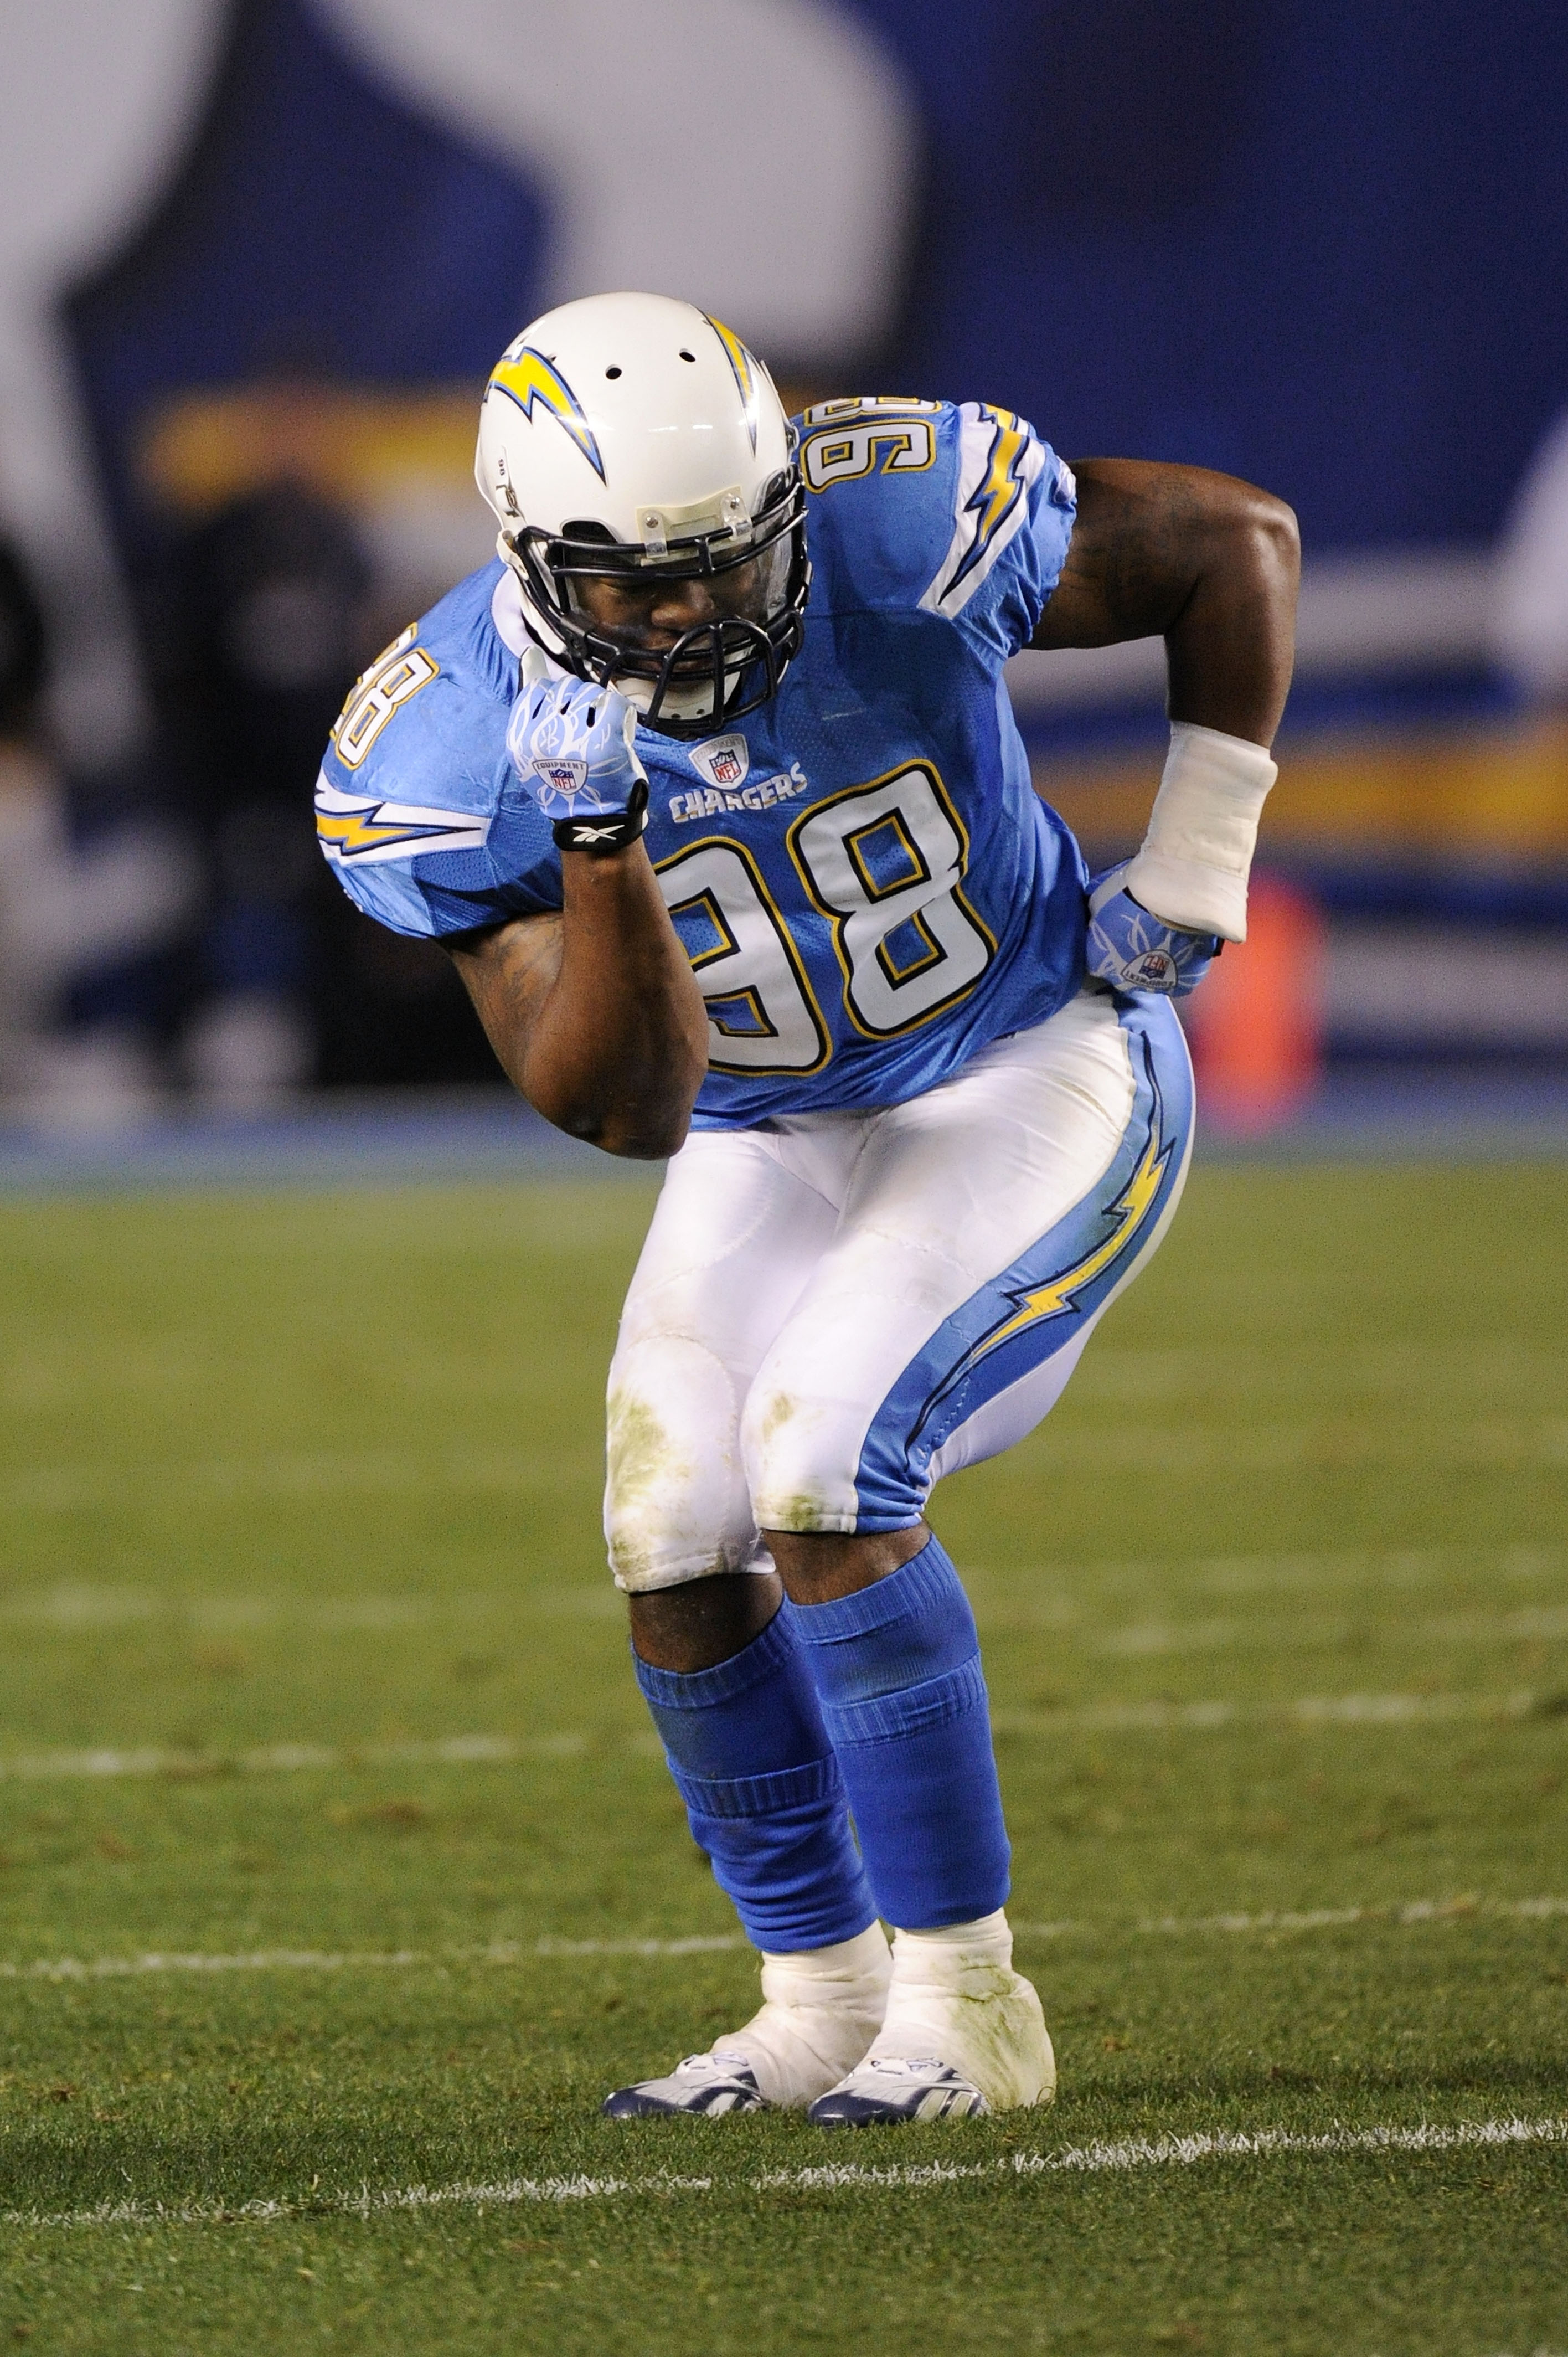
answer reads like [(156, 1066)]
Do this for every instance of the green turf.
[(1276, 1622)]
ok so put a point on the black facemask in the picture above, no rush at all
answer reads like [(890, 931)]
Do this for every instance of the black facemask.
[(737, 660)]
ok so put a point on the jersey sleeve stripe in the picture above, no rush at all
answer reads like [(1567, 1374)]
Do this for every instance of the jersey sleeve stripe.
[(366, 831), (999, 458)]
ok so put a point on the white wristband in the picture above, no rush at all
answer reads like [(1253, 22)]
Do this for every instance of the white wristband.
[(1192, 870)]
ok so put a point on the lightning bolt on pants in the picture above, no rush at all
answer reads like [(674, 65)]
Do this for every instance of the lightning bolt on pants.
[(829, 1316)]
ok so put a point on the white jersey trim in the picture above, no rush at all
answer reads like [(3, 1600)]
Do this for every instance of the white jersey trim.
[(362, 831), (505, 613), (999, 459)]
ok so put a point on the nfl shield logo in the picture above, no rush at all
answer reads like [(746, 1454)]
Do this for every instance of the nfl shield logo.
[(723, 761), (560, 781)]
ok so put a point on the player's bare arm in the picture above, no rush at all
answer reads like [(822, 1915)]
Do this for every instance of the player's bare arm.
[(1211, 566), (1207, 563), (595, 1014)]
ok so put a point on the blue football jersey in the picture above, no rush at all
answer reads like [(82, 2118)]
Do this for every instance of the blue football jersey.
[(867, 884)]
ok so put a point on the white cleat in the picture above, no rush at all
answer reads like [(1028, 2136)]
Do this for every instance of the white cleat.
[(897, 2087), (963, 2035), (822, 2008), (705, 2084)]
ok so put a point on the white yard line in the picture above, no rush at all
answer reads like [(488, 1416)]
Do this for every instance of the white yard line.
[(550, 1948), (1129, 1378), (66, 1489), (1393, 1566), (1305, 1711), (352, 1960), (289, 1759), (1501, 1440), (1274, 1448), (1156, 2152), (81, 1609), (1302, 1636), (705, 1944), (1046, 1596), (1087, 2160), (84, 1611), (1055, 1595), (1315, 1919), (106, 1761)]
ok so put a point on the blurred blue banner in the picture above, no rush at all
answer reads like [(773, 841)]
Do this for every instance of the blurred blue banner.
[(1323, 247)]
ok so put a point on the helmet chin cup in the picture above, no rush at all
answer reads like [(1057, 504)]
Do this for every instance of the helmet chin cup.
[(738, 664), (715, 672)]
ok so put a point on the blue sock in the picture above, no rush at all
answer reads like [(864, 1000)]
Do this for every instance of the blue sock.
[(764, 1797), (896, 1667)]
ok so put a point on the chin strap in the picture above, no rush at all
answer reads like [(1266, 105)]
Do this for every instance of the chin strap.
[(1197, 853)]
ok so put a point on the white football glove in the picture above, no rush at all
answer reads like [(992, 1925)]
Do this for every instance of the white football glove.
[(1133, 950), (572, 745)]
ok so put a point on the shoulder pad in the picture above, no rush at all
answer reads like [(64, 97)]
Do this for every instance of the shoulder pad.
[(411, 805), (957, 510)]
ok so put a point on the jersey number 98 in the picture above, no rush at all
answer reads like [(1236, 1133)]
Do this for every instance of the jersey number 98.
[(885, 863)]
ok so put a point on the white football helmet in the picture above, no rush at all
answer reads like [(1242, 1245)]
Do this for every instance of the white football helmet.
[(632, 436)]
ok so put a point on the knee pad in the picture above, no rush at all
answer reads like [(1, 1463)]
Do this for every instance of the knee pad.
[(676, 1506), (800, 1464)]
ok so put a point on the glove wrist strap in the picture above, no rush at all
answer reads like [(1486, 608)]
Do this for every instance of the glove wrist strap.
[(1197, 853), (602, 833)]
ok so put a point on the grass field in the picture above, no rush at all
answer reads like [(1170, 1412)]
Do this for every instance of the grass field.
[(330, 1821)]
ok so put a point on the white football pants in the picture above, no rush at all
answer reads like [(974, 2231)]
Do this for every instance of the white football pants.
[(831, 1313)]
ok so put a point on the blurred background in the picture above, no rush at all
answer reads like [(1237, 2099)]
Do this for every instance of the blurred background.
[(256, 257)]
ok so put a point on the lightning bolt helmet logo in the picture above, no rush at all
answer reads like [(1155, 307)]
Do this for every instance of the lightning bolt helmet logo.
[(530, 380)]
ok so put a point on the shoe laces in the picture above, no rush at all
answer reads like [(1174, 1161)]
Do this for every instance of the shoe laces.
[(903, 2066), (714, 2066)]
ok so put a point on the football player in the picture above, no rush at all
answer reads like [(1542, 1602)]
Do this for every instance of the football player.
[(711, 787)]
